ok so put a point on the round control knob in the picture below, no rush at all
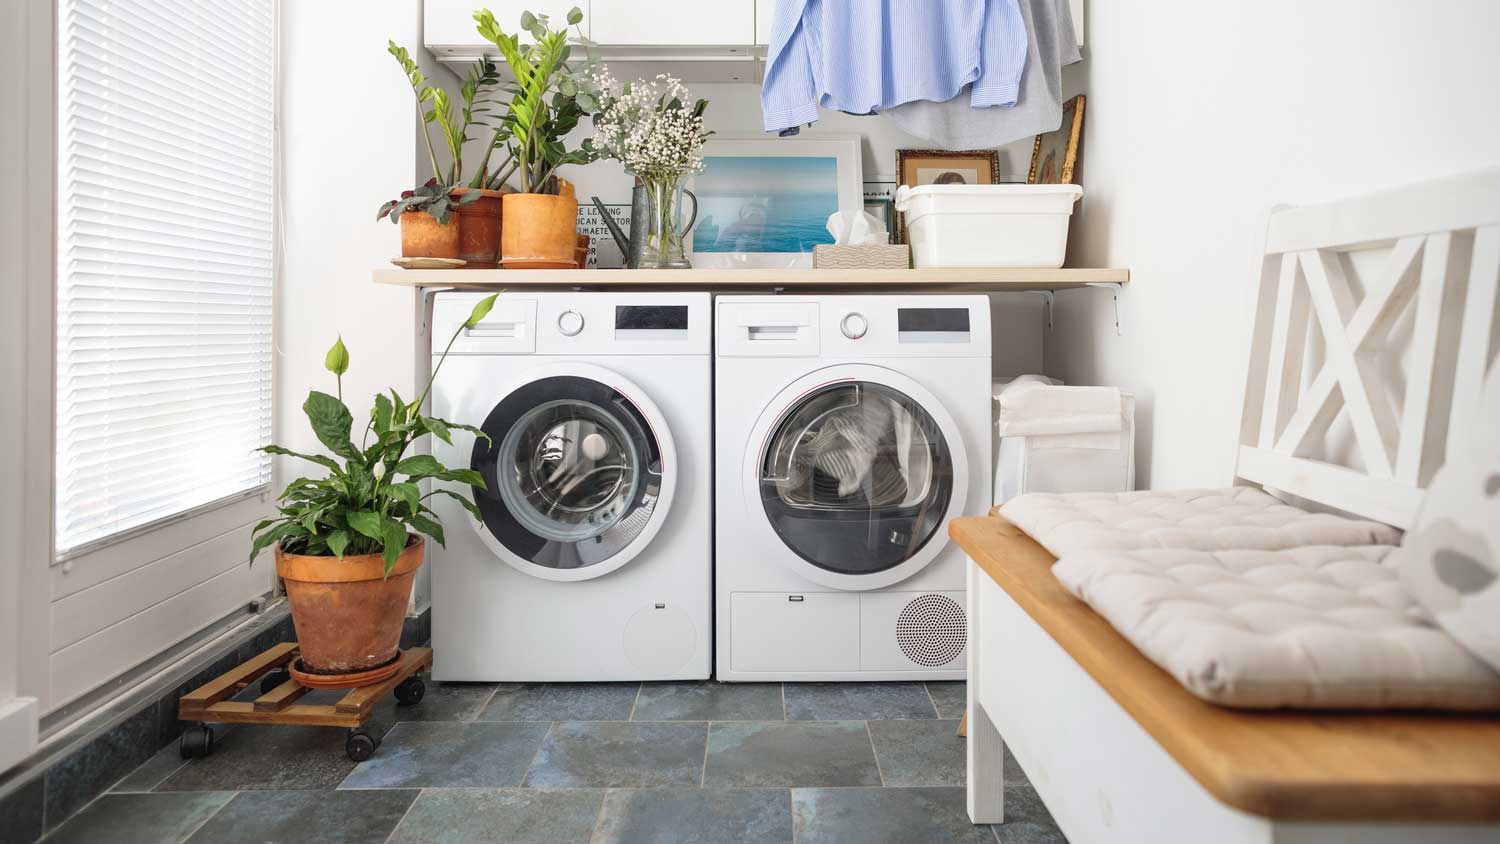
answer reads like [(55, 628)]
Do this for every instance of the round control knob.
[(570, 322), (854, 326)]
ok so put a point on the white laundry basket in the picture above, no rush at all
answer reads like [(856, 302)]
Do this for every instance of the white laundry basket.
[(1072, 458), (988, 225)]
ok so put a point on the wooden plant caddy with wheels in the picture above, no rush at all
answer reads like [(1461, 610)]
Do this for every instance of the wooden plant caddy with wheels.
[(277, 704)]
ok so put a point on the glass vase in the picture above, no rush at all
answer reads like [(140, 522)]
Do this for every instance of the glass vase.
[(664, 229)]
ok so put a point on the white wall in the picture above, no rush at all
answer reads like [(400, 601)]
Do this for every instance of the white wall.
[(1202, 115), (348, 145)]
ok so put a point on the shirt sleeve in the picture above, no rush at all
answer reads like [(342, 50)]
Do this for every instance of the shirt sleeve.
[(789, 94), (1002, 56)]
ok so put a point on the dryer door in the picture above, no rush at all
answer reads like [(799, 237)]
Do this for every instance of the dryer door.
[(856, 469), (579, 469)]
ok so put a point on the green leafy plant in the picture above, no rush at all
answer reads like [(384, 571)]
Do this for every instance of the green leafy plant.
[(434, 198), (547, 101), (370, 501)]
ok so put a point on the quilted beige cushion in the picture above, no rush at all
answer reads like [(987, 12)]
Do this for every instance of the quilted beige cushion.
[(1323, 627), (1202, 519)]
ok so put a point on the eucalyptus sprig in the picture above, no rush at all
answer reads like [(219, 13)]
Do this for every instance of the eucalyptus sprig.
[(370, 499)]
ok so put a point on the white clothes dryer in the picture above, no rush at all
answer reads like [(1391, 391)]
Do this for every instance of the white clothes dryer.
[(848, 431), (592, 561)]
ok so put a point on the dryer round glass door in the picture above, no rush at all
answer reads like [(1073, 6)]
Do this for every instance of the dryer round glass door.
[(857, 477), (574, 471)]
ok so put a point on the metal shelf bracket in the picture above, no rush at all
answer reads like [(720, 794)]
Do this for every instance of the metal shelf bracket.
[(1114, 294)]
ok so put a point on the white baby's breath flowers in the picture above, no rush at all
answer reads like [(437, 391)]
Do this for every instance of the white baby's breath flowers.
[(652, 127)]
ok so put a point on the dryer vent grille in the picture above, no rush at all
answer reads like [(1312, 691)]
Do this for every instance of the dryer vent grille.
[(932, 630)]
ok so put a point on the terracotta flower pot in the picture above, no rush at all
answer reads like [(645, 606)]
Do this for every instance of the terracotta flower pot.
[(540, 231), (348, 615), (422, 236), (479, 228)]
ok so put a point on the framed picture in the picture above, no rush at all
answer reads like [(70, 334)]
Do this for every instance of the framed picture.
[(765, 201), (916, 167), (1054, 156)]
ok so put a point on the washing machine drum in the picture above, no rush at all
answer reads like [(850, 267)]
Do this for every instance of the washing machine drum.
[(572, 470), (856, 478)]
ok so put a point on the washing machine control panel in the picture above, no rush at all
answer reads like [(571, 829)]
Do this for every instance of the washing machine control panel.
[(570, 322), (854, 325)]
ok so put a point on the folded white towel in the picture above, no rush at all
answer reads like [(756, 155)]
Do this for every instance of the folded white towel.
[(1030, 408)]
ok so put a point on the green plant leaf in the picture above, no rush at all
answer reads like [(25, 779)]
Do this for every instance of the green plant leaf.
[(481, 310), (431, 527), (367, 523), (461, 499), (331, 421), (420, 464), (273, 535), (319, 459), (337, 359), (438, 428), (463, 476), (381, 413), (337, 542), (575, 16), (409, 493), (392, 543)]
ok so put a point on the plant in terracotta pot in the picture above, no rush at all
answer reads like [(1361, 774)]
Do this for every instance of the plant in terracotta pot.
[(348, 543), (547, 101), (473, 211)]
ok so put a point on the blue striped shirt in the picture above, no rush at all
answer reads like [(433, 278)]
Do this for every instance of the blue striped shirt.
[(860, 56)]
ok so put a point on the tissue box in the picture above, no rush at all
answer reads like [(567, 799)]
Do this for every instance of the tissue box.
[(896, 256)]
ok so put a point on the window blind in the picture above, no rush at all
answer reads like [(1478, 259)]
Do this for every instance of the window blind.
[(165, 260)]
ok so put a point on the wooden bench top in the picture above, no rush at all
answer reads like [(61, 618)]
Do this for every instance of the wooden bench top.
[(1285, 765)]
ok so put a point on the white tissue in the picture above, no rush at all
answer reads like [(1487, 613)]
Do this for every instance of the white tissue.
[(859, 229)]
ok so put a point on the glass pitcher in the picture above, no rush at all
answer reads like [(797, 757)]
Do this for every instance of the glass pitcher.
[(664, 227)]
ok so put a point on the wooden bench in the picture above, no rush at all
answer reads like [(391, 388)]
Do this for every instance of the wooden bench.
[(1117, 749)]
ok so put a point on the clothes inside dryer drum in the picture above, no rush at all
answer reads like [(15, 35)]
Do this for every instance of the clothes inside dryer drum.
[(856, 478)]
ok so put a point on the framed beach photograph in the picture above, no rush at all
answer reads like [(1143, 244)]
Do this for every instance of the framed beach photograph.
[(916, 167), (1054, 155), (765, 201)]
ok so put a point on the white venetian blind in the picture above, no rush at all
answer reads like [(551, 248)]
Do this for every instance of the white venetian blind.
[(165, 228)]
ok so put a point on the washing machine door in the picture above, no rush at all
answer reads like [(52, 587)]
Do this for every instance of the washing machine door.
[(855, 469), (579, 470)]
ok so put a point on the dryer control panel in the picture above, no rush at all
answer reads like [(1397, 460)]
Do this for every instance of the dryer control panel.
[(854, 326)]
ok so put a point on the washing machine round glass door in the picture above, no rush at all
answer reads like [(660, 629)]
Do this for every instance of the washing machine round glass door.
[(576, 474), (859, 469)]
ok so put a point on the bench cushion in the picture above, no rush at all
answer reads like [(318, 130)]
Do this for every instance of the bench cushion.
[(1200, 519), (1320, 627)]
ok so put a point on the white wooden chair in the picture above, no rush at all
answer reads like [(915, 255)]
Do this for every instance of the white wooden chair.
[(1115, 747)]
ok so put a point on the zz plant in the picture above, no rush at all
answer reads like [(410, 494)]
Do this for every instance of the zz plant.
[(370, 500)]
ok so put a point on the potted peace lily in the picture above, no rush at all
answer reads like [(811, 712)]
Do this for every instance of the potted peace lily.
[(547, 101), (461, 222), (349, 542)]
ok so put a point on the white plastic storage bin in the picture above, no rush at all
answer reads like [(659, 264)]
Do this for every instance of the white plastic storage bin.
[(1073, 460), (988, 225)]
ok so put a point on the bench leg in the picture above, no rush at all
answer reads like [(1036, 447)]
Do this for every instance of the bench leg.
[(986, 751)]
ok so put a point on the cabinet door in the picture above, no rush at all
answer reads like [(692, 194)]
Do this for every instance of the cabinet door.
[(451, 22), (765, 12), (685, 23)]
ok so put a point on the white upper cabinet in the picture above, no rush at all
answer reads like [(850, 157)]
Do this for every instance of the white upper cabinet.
[(679, 23), (765, 10), (448, 25)]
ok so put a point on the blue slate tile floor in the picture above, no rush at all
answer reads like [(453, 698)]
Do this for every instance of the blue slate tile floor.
[(606, 763)]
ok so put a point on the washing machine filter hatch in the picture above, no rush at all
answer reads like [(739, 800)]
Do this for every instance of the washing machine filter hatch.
[(856, 477)]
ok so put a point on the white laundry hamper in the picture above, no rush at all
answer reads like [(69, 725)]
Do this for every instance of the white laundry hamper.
[(1061, 439)]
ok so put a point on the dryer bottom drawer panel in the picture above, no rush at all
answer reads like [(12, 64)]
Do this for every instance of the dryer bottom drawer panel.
[(777, 631), (912, 631)]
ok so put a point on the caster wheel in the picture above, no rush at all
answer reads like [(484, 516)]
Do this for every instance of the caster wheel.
[(274, 679), (197, 741), (361, 746), (410, 691)]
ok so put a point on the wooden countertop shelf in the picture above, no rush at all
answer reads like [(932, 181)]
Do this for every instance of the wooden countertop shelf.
[(979, 280)]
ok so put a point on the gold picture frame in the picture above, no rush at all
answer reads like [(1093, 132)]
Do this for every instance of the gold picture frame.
[(916, 167), (1058, 146)]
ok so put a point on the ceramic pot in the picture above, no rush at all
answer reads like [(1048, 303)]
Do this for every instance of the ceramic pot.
[(422, 236), (540, 231), (348, 613), (479, 228)]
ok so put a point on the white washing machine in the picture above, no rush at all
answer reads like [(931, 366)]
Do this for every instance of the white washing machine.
[(593, 559), (848, 431)]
